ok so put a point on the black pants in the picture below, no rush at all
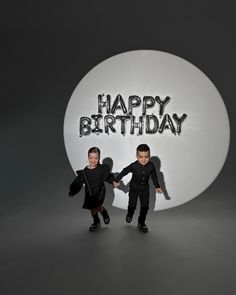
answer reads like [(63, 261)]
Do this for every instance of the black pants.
[(143, 196)]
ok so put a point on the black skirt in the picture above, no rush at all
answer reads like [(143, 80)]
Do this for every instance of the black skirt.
[(91, 202)]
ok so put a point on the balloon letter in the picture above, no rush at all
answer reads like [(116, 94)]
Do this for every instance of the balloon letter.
[(106, 103), (167, 124), (148, 102), (109, 121), (179, 121), (154, 129), (119, 105), (134, 101), (162, 103), (85, 128), (138, 125), (96, 119), (123, 119)]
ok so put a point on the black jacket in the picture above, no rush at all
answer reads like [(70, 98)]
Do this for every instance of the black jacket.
[(140, 174), (93, 179)]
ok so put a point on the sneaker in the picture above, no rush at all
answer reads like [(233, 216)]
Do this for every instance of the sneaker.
[(95, 226), (106, 217), (142, 227), (129, 218)]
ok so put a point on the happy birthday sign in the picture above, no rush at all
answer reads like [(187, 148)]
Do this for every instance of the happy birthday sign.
[(127, 121)]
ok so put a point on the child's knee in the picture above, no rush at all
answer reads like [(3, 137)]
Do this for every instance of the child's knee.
[(100, 208)]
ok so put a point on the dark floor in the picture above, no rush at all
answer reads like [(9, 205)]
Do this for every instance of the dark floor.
[(47, 249)]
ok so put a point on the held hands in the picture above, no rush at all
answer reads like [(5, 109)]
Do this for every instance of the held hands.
[(116, 184), (158, 190)]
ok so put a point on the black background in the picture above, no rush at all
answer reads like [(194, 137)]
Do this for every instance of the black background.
[(46, 49)]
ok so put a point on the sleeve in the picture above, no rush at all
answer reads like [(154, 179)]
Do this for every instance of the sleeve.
[(125, 171), (154, 177), (77, 184), (107, 175)]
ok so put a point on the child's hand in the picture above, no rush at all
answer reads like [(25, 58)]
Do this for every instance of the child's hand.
[(159, 190), (116, 184)]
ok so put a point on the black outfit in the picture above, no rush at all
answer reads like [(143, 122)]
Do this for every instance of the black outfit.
[(139, 186), (93, 179)]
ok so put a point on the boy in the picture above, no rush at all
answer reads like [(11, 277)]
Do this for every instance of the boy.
[(141, 169)]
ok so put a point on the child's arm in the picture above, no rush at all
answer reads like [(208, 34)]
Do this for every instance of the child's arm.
[(155, 180), (77, 184), (125, 171), (107, 175)]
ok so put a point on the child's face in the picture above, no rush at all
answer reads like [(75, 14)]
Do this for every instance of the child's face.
[(93, 159), (143, 157)]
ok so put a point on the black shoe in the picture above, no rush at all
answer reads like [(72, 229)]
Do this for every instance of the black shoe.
[(130, 214), (95, 226), (106, 217), (129, 218), (142, 227)]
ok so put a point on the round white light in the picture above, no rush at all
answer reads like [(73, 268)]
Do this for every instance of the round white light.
[(188, 160)]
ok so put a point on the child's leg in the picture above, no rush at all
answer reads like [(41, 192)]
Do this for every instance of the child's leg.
[(96, 220), (99, 208), (133, 198), (144, 202), (105, 215)]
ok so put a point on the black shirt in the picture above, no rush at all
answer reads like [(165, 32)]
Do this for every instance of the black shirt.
[(94, 180), (141, 174)]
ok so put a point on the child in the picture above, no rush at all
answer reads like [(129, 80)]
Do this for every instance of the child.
[(93, 176), (141, 169)]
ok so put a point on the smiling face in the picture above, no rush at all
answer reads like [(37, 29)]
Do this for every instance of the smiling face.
[(143, 157), (93, 159)]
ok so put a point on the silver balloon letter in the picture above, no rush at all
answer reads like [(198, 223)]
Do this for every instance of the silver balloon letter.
[(102, 103), (85, 128), (148, 102), (134, 101)]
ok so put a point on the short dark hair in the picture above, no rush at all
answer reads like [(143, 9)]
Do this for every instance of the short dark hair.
[(143, 148), (94, 149)]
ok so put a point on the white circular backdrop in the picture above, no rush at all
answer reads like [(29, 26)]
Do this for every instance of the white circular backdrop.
[(189, 162)]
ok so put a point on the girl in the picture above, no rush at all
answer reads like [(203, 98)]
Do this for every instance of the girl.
[(93, 176)]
